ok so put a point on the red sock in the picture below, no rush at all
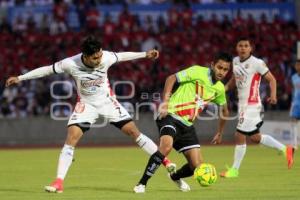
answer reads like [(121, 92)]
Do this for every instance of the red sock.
[(166, 161)]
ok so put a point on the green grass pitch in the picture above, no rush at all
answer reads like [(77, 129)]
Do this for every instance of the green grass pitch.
[(111, 173)]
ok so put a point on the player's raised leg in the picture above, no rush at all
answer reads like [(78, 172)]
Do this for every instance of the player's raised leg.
[(65, 158), (145, 143), (269, 141), (130, 129)]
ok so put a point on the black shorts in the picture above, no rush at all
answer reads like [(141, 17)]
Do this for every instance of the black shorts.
[(85, 126), (185, 137), (249, 133)]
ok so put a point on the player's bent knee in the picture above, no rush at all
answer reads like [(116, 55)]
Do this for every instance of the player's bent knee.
[(74, 135), (166, 144), (256, 139), (134, 133), (195, 163), (72, 140), (128, 127), (165, 150)]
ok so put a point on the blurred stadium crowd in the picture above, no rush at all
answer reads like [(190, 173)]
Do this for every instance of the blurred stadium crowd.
[(10, 3), (183, 39)]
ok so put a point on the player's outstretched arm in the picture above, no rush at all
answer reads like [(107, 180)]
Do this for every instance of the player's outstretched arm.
[(222, 121), (126, 56), (36, 73)]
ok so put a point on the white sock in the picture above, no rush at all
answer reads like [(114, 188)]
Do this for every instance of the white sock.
[(65, 161), (271, 142), (239, 153), (295, 128), (297, 133), (146, 144)]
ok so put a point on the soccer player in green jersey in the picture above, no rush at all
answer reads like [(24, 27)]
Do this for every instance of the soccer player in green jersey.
[(197, 86)]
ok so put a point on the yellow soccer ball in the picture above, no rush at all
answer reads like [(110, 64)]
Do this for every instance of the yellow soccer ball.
[(205, 174)]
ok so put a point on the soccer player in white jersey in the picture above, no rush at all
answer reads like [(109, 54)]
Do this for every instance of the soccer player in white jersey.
[(247, 73), (96, 99)]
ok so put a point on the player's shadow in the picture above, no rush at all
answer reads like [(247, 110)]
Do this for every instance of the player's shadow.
[(17, 190), (109, 189)]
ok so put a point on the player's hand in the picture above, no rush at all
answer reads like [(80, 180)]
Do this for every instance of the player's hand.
[(12, 80), (272, 100), (152, 54), (163, 110), (217, 138)]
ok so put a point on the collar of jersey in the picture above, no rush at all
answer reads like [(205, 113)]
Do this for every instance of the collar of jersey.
[(90, 68), (210, 77), (245, 59)]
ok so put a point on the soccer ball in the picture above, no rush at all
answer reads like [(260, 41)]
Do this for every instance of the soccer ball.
[(205, 174)]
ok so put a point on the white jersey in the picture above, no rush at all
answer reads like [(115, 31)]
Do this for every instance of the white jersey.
[(92, 84), (95, 96), (248, 76)]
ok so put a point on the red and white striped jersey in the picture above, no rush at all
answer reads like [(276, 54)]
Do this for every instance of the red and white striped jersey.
[(247, 77)]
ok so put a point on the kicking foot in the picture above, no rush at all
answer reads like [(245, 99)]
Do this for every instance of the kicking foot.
[(290, 156), (140, 188), (181, 184), (56, 186), (230, 173)]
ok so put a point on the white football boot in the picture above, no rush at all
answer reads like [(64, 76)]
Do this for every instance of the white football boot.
[(140, 188)]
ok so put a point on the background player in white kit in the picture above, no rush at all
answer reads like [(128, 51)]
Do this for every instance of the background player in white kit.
[(247, 73), (96, 99)]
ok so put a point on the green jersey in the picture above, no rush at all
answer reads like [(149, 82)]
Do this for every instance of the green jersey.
[(196, 89)]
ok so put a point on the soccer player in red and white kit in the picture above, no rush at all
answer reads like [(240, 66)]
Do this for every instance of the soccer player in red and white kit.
[(96, 99), (247, 73)]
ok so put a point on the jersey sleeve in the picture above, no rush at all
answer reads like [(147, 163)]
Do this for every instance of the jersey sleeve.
[(221, 98), (189, 74), (62, 66), (125, 56), (110, 58), (37, 73), (261, 67)]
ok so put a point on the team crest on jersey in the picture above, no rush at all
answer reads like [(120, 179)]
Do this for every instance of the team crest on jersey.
[(89, 83), (79, 108), (247, 66)]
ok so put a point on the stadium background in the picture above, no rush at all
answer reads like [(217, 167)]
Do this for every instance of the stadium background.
[(39, 32), (35, 33)]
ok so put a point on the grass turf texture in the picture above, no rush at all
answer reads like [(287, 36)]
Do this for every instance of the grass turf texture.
[(111, 173)]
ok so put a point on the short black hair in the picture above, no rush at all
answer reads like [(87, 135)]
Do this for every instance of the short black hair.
[(223, 56), (90, 45), (243, 38)]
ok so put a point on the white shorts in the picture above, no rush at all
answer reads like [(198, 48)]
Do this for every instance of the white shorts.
[(249, 118), (110, 110)]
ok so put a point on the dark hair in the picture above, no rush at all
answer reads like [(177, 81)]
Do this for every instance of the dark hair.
[(244, 38), (223, 56), (90, 45)]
